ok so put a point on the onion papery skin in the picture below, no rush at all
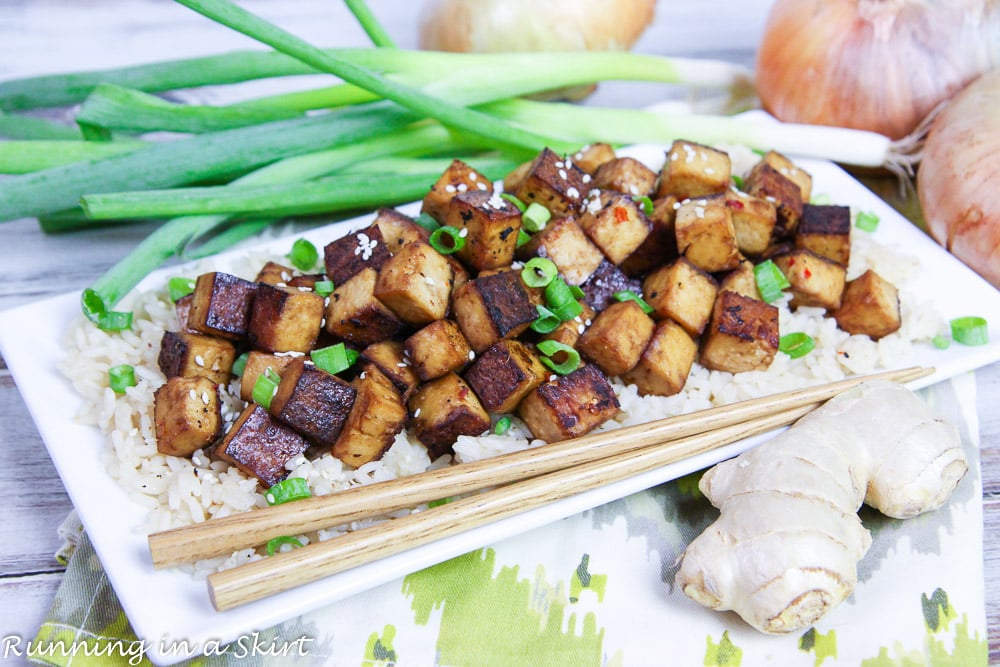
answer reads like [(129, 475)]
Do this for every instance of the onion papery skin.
[(958, 181), (878, 65)]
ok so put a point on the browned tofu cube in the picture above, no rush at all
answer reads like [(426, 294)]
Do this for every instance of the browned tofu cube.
[(377, 415), (870, 307), (792, 172), (221, 305), (753, 221), (600, 288), (183, 310), (187, 415), (260, 445), (570, 405), (569, 332), (766, 182), (415, 284), (273, 273), (458, 178), (493, 307), (660, 245), (815, 281), (693, 170), (398, 229), (826, 230), (741, 280), (682, 292), (444, 409), (438, 348), (616, 338), (666, 362), (312, 401), (354, 314), (706, 236), (257, 363), (490, 225), (742, 336), (354, 252), (504, 374), (618, 227), (626, 174), (285, 319), (554, 183), (590, 157), (389, 356), (566, 244), (189, 355)]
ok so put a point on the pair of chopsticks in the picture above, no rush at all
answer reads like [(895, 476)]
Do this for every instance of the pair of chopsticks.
[(526, 479)]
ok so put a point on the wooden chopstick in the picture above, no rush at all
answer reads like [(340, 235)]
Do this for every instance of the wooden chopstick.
[(224, 535)]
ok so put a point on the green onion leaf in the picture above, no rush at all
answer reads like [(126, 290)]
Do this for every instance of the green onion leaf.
[(439, 502), (115, 320), (334, 359), (576, 291), (240, 364), (547, 321), (265, 388), (562, 300), (514, 200), (287, 490), (502, 426), (447, 239), (737, 181), (535, 217), (180, 288), (629, 295), (866, 221), (970, 330), (427, 222), (552, 348), (323, 287), (770, 280), (796, 344), (274, 545), (647, 204), (120, 378), (303, 255), (538, 272), (941, 342), (523, 237)]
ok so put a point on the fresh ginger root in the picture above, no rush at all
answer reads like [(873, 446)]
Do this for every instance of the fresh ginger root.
[(785, 548)]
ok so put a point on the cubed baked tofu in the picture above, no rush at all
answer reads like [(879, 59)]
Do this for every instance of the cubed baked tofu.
[(389, 356), (182, 308), (350, 254), (660, 245), (312, 401), (493, 307), (438, 348), (870, 306), (377, 415), (742, 335), (221, 305), (815, 281), (826, 230), (285, 319), (187, 415), (444, 409), (570, 405), (705, 234), (569, 332), (554, 183), (600, 288), (189, 355), (666, 362), (273, 273), (260, 445), (590, 157), (792, 172), (567, 245), (618, 227), (766, 182), (616, 338), (753, 221), (741, 280), (626, 174), (355, 315), (458, 178), (490, 225), (693, 170), (257, 363), (415, 284), (504, 374), (398, 229), (682, 292)]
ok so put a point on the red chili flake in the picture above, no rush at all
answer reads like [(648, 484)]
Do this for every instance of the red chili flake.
[(791, 261), (621, 215), (735, 203), (807, 273)]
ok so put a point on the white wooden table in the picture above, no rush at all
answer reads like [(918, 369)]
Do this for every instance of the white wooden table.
[(44, 36)]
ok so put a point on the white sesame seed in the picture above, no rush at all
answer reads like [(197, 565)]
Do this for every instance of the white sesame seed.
[(429, 280), (464, 232), (563, 175), (472, 355), (559, 164), (482, 186), (573, 193), (462, 187), (363, 375), (552, 378), (401, 364), (699, 211), (199, 360), (286, 276), (204, 398), (450, 188), (586, 178), (416, 413), (709, 170), (581, 329), (193, 395)]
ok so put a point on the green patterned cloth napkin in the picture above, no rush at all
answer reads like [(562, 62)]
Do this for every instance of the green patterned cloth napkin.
[(596, 589)]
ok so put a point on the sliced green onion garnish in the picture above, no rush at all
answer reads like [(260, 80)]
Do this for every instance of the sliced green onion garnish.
[(115, 320), (547, 321), (647, 204), (866, 221), (970, 330), (770, 280), (941, 342), (502, 426), (535, 217), (522, 237), (323, 287), (180, 288), (737, 181), (514, 200), (576, 291), (821, 199), (447, 239), (551, 348), (796, 344), (334, 359), (303, 255), (427, 222), (120, 378), (629, 295), (558, 293), (568, 311), (538, 272), (275, 544), (439, 502), (265, 387), (240, 364), (287, 490)]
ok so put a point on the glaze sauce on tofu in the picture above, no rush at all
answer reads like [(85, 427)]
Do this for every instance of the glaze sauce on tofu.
[(646, 273)]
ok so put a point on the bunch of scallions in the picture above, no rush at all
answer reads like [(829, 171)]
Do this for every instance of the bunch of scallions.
[(378, 137)]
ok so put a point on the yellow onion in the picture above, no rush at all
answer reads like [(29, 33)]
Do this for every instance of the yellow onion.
[(878, 65), (958, 182)]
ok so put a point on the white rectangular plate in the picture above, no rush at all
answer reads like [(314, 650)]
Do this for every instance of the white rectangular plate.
[(172, 605)]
